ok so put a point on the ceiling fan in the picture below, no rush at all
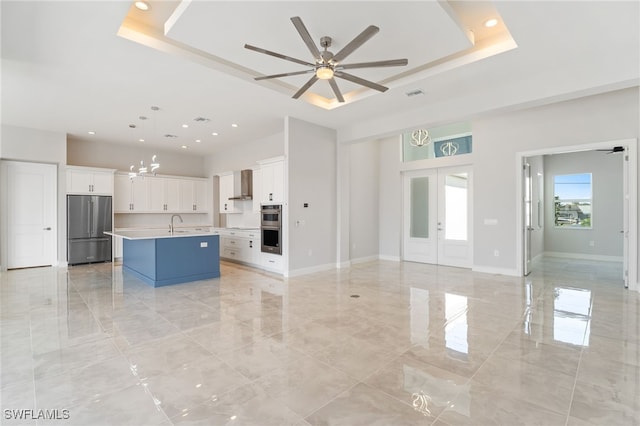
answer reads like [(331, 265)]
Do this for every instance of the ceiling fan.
[(327, 65)]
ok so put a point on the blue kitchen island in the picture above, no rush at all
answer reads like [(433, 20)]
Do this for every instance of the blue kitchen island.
[(159, 258)]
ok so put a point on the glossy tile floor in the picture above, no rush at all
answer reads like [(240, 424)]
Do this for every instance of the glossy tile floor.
[(420, 345)]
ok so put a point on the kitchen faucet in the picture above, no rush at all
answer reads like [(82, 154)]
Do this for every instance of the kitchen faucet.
[(171, 224)]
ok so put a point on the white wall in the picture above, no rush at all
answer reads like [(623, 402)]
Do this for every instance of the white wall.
[(497, 139), (120, 157), (245, 155), (390, 198), (22, 144), (310, 174), (364, 200), (606, 170)]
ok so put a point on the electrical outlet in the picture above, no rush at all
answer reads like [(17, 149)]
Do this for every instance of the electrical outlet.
[(496, 253)]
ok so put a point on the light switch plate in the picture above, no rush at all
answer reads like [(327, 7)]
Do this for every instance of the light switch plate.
[(204, 244)]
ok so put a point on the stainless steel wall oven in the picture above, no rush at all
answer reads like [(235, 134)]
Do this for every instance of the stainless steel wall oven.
[(271, 228)]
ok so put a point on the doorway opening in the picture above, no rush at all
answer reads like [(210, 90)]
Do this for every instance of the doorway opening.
[(558, 217)]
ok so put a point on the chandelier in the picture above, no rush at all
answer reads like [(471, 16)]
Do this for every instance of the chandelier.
[(420, 138), (143, 170)]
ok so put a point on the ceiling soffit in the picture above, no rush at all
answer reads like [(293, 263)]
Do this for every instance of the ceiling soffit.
[(433, 36)]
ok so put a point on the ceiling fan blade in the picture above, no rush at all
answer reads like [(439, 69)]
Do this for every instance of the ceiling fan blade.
[(265, 77), (306, 37), (361, 81), (278, 55), (305, 87), (369, 32), (336, 90), (389, 63)]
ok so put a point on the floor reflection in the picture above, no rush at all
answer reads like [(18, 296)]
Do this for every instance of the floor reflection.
[(423, 344)]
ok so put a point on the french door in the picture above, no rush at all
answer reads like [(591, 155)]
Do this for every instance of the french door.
[(437, 216)]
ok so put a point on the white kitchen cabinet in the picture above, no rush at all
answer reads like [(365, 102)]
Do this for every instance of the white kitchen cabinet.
[(272, 181), (159, 194), (226, 191), (87, 180), (257, 190), (193, 195), (240, 246), (253, 248), (164, 195), (130, 195), (201, 203), (271, 262)]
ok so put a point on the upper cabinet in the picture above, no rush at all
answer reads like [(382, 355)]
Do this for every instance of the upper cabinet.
[(226, 192), (164, 195), (272, 177), (88, 180), (130, 195), (160, 194), (194, 196), (257, 190)]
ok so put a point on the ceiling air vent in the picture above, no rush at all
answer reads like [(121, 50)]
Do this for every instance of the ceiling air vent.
[(169, 135), (414, 93), (202, 119)]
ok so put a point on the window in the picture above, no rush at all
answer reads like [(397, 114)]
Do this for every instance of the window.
[(444, 141), (572, 199)]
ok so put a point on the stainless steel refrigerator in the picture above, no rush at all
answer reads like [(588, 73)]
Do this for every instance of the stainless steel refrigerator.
[(88, 217)]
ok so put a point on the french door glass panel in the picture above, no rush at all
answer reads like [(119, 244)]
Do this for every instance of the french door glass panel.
[(419, 207), (455, 194)]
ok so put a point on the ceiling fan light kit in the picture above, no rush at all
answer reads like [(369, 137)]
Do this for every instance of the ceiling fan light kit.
[(326, 65)]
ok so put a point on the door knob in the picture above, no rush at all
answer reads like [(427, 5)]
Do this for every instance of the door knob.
[(48, 228)]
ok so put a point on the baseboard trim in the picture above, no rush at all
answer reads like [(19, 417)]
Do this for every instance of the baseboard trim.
[(365, 259), (579, 256), (310, 270), (495, 271), (390, 258), (343, 265)]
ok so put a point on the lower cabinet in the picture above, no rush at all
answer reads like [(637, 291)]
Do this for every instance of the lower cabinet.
[(241, 246), (244, 246), (271, 262)]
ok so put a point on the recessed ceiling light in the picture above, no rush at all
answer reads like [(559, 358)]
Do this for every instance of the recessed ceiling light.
[(184, 147), (184, 126), (234, 125), (142, 5), (91, 132), (214, 134), (140, 140), (491, 22), (198, 140)]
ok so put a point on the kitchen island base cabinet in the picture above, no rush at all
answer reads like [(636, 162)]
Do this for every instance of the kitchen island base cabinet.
[(165, 261)]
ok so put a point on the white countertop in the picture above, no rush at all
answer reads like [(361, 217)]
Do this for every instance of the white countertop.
[(148, 234)]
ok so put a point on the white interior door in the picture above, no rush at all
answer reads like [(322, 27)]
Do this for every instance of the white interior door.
[(437, 218), (31, 214)]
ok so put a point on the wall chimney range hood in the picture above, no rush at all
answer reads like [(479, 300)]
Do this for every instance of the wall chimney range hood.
[(243, 185)]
